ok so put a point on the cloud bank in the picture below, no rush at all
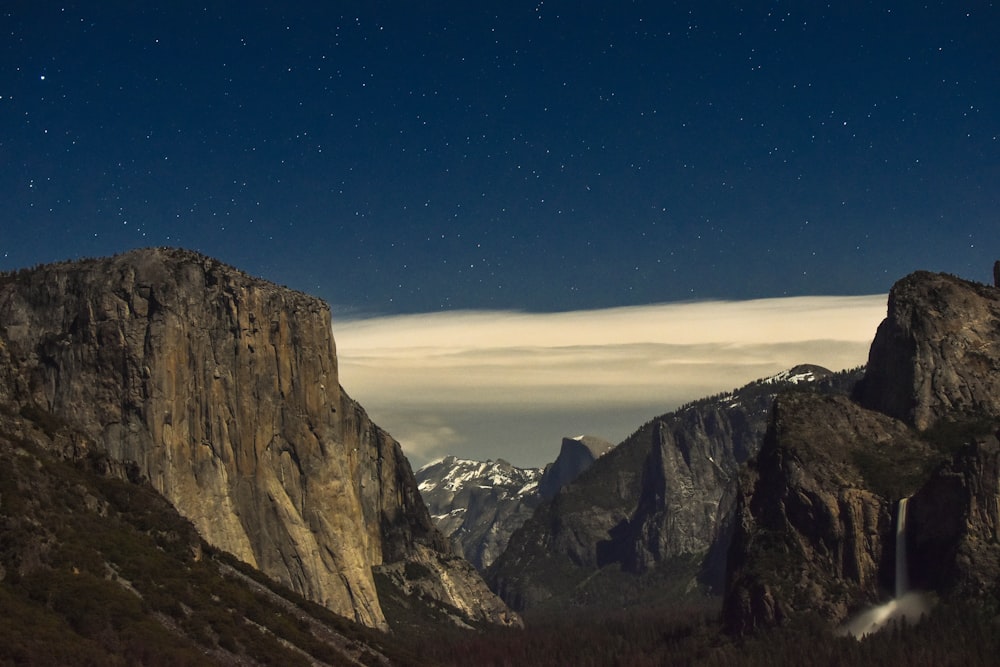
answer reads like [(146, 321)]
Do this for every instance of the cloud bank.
[(499, 384)]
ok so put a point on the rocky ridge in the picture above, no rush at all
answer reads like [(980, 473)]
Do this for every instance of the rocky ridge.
[(221, 391)]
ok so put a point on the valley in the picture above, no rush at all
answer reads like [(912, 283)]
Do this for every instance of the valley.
[(182, 467)]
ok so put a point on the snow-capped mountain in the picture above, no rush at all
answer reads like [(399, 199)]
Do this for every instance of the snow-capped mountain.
[(478, 504)]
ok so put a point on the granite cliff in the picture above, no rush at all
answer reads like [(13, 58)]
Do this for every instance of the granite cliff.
[(937, 353), (954, 523), (221, 391)]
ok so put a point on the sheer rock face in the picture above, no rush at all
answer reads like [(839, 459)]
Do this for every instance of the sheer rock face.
[(937, 353), (814, 517), (954, 524), (222, 391), (693, 460)]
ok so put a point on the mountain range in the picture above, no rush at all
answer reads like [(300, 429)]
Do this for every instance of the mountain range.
[(719, 500), (183, 480), (653, 505), (478, 504)]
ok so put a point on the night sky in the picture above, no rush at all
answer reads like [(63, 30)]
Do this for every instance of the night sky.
[(400, 157), (605, 184)]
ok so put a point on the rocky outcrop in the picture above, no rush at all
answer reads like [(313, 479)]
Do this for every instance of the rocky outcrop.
[(478, 504), (451, 584), (575, 455), (937, 354), (814, 513), (222, 391)]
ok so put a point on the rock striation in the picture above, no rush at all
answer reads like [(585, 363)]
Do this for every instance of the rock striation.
[(221, 390)]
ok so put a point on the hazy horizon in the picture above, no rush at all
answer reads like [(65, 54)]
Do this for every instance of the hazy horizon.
[(511, 385)]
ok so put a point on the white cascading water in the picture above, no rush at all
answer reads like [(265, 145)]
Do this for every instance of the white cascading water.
[(906, 604), (902, 572)]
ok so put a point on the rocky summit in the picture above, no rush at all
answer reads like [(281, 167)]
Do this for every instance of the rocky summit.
[(937, 353), (221, 392), (575, 455)]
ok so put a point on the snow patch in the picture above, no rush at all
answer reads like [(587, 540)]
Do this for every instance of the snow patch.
[(790, 376)]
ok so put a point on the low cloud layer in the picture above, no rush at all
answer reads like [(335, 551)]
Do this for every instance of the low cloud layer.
[(510, 385)]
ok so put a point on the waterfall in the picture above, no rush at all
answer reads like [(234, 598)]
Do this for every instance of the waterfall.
[(905, 604), (902, 572)]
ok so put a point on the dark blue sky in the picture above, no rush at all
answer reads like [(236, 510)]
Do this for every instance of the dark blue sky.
[(406, 157)]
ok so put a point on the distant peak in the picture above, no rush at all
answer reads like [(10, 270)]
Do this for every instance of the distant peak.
[(800, 373)]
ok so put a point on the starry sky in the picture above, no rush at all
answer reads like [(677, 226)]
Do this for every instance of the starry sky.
[(401, 159), (397, 157)]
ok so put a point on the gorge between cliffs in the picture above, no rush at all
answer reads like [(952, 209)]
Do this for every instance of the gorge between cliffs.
[(776, 506)]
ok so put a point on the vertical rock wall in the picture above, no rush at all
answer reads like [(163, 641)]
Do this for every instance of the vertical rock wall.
[(222, 390)]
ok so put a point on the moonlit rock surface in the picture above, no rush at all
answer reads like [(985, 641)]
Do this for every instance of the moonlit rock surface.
[(937, 353), (222, 391)]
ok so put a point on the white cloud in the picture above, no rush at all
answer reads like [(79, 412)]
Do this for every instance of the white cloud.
[(426, 435), (472, 383)]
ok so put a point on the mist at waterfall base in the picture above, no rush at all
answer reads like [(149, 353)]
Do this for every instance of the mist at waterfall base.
[(905, 604)]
